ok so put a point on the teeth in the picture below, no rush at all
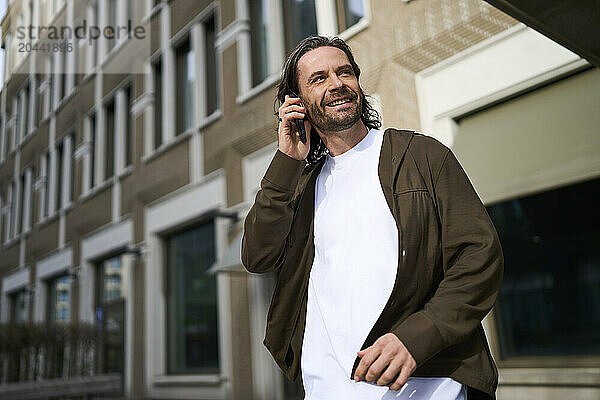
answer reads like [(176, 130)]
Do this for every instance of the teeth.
[(338, 102)]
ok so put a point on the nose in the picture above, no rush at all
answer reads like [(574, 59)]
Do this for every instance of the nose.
[(335, 82)]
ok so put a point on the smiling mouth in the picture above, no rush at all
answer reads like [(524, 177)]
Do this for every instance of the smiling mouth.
[(339, 102)]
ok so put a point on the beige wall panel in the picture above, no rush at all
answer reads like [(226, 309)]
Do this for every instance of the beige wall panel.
[(31, 151), (230, 83), (43, 134), (227, 13), (233, 177), (43, 239), (14, 84), (138, 85), (90, 213), (240, 325), (164, 173), (7, 171), (110, 81), (183, 11), (139, 360), (85, 96), (127, 194), (154, 33), (543, 139), (77, 176), (10, 258), (66, 119)]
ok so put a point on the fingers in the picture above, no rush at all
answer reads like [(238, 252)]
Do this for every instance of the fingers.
[(369, 355), (377, 367), (390, 373), (402, 378)]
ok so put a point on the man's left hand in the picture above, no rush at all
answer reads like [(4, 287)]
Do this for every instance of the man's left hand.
[(387, 351)]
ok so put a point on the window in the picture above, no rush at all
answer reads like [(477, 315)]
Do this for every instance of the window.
[(21, 216), (349, 12), (60, 152), (129, 134), (46, 184), (192, 329), (109, 155), (212, 100), (13, 203), (26, 199), (184, 86), (51, 84), (25, 110), (258, 40), (300, 21), (64, 71), (17, 129), (92, 149), (157, 72), (38, 105), (18, 306), (59, 299), (111, 296), (550, 243)]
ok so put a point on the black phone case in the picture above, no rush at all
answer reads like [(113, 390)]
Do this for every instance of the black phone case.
[(300, 125)]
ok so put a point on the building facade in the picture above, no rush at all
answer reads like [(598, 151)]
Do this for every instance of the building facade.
[(127, 165)]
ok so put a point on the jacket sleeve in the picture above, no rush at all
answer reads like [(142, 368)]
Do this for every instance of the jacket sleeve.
[(268, 222), (473, 266)]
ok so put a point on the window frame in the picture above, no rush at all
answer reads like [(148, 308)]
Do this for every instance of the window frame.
[(326, 15)]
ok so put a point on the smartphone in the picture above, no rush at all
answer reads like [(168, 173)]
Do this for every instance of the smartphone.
[(300, 124)]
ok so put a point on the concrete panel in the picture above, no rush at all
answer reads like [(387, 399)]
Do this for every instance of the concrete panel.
[(90, 214), (10, 258), (30, 152), (43, 239), (241, 351), (110, 81), (227, 9), (154, 33), (164, 173), (183, 11), (127, 194), (66, 118)]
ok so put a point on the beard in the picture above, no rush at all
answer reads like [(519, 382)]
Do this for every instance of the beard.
[(333, 120)]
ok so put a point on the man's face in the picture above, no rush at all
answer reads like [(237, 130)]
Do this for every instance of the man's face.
[(329, 89)]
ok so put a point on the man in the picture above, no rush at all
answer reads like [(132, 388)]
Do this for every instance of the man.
[(387, 259)]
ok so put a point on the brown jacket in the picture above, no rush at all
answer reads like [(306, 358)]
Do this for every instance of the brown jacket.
[(450, 262)]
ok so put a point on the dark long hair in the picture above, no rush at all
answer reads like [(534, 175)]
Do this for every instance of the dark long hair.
[(289, 84)]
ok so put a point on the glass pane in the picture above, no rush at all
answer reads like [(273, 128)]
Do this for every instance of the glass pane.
[(185, 87), (110, 140), (157, 104), (259, 18), (19, 306), (212, 99), (353, 12), (193, 344), (300, 21), (112, 282), (59, 299), (549, 303), (110, 313)]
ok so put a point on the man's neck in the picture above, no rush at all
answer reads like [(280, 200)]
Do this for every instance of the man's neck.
[(341, 141)]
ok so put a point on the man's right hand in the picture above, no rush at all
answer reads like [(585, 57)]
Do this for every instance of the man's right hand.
[(289, 137)]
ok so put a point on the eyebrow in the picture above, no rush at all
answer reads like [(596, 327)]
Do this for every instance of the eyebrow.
[(322, 72)]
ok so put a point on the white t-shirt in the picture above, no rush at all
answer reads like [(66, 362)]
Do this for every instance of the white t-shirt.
[(352, 276)]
